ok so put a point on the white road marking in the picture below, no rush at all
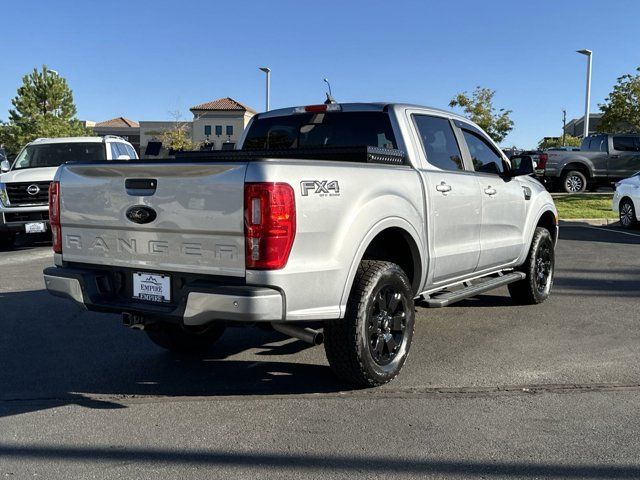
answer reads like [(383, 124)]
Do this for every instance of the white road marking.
[(14, 258), (610, 230)]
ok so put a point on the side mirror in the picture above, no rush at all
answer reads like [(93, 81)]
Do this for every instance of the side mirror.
[(123, 157), (522, 166), (5, 166)]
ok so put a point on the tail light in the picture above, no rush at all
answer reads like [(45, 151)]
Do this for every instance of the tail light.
[(542, 160), (54, 216), (269, 224)]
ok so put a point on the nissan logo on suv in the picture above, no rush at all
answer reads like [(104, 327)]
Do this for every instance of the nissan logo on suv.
[(141, 214), (33, 189)]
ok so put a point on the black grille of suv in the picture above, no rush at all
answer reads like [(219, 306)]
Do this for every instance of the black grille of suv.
[(27, 193), (25, 216)]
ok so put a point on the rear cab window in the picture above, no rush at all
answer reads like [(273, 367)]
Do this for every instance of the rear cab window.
[(595, 143), (321, 129)]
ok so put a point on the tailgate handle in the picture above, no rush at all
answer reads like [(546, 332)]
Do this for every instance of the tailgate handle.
[(141, 187)]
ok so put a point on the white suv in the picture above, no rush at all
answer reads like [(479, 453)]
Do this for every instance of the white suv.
[(24, 185)]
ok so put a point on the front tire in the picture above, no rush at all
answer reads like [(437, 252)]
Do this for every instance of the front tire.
[(628, 217), (539, 269), (574, 182), (369, 346), (185, 340)]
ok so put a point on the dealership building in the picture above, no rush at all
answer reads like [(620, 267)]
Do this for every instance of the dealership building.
[(216, 125)]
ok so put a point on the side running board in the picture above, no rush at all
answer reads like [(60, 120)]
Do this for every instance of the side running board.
[(438, 300)]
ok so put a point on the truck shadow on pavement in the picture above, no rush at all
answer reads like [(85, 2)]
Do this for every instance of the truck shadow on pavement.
[(55, 354)]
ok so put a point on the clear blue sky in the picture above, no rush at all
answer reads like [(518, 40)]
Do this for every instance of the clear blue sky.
[(144, 59)]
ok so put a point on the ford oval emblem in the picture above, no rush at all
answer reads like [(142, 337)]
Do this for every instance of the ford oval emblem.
[(141, 214)]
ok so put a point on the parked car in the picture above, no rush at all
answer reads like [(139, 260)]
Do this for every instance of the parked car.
[(24, 185), (626, 201), (602, 160), (334, 215)]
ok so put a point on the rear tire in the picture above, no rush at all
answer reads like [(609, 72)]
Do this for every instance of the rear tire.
[(7, 241), (628, 217), (574, 182), (539, 269), (369, 346), (186, 340)]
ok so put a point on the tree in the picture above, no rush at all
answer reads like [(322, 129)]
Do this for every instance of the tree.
[(43, 107), (550, 142), (178, 137), (479, 108), (621, 109)]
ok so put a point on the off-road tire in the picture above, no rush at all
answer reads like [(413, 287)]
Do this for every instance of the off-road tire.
[(185, 340), (533, 288), (351, 344), (574, 181)]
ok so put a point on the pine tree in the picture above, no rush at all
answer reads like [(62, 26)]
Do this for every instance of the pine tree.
[(43, 107)]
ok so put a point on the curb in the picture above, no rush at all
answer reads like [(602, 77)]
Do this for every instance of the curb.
[(597, 222)]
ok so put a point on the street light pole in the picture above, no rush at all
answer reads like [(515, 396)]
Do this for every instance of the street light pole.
[(268, 72), (589, 54), (564, 127)]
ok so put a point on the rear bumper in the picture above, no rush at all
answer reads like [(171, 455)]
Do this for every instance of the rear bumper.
[(197, 303)]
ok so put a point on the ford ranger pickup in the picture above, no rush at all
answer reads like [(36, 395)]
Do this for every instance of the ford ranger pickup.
[(328, 223)]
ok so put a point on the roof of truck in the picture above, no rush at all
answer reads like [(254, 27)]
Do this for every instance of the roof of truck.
[(366, 106)]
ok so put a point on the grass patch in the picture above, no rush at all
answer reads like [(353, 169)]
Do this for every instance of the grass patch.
[(584, 205)]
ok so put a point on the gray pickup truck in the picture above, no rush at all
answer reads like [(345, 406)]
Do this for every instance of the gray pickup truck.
[(601, 161), (328, 223)]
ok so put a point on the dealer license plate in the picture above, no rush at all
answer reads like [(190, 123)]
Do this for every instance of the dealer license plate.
[(36, 227), (152, 287)]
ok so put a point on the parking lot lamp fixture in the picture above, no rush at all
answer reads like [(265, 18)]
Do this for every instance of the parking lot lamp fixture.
[(268, 72), (589, 54)]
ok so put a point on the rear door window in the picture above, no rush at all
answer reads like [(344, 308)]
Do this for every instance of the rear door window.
[(485, 158), (439, 142), (625, 144)]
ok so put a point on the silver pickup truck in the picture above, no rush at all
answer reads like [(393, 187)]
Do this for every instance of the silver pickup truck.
[(328, 223)]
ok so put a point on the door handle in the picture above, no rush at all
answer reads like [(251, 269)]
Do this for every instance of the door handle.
[(490, 191), (614, 156), (443, 187)]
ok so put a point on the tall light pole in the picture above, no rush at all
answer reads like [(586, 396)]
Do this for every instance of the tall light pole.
[(268, 72), (564, 126), (589, 54)]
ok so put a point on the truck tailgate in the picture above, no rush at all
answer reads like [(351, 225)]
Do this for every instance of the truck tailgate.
[(199, 224)]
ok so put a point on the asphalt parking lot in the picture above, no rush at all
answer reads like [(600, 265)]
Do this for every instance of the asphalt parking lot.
[(490, 389)]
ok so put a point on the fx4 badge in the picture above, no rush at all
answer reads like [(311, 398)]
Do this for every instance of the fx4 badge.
[(324, 188)]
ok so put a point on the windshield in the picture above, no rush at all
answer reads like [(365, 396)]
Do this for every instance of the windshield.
[(326, 129), (55, 154)]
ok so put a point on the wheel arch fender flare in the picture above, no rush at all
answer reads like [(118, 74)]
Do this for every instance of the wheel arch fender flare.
[(583, 163), (545, 209), (382, 225)]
